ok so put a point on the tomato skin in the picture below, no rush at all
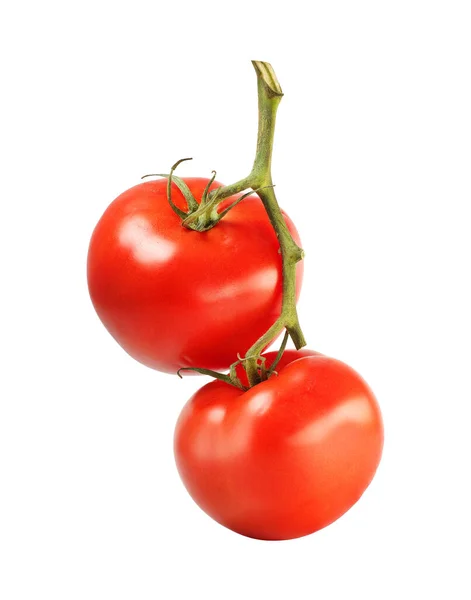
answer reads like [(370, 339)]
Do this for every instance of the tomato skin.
[(173, 297), (287, 457)]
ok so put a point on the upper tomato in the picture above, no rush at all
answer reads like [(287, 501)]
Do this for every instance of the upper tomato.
[(174, 297), (288, 456)]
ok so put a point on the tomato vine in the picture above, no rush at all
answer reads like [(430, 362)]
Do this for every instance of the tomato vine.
[(260, 180)]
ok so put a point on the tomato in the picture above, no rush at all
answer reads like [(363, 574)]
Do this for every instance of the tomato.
[(173, 297), (287, 457)]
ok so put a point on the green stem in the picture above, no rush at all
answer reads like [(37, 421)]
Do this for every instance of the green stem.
[(260, 180), (269, 97), (274, 364), (231, 379)]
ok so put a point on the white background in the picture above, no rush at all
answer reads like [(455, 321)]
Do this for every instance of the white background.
[(372, 160)]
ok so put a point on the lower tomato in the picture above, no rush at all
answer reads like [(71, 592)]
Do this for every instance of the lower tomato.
[(287, 457), (173, 297)]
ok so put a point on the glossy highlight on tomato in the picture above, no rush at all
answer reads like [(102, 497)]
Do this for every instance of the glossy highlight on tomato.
[(287, 457), (173, 297)]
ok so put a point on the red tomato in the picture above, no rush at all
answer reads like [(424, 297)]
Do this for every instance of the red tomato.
[(176, 298), (285, 458)]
